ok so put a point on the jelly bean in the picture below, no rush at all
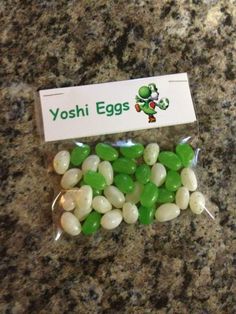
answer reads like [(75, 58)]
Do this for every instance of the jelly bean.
[(101, 204), (70, 178), (106, 152), (91, 223), (78, 154), (185, 153), (82, 213), (189, 179), (170, 160), (105, 168), (134, 197), (146, 215), (124, 165), (90, 163), (182, 197), (173, 181), (114, 196), (132, 151), (167, 212), (151, 153), (130, 213), (124, 182), (143, 173), (197, 202), (165, 196), (83, 197), (67, 200), (95, 179), (70, 224), (149, 195), (111, 219), (61, 162), (158, 174)]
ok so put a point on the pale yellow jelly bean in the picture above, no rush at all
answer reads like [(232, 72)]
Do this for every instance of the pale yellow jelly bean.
[(70, 178), (67, 200), (167, 212), (189, 179), (158, 174), (90, 163), (101, 204), (134, 197), (82, 213), (151, 153), (84, 197), (197, 202), (111, 219), (130, 213), (105, 168), (70, 224), (182, 197), (114, 196), (61, 162)]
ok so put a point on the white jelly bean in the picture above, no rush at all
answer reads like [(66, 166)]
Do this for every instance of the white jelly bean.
[(158, 174), (114, 196), (61, 162), (70, 178), (151, 153), (111, 219), (101, 204), (189, 179), (167, 212), (83, 197), (70, 224), (182, 197), (130, 213), (67, 200), (134, 197), (105, 168), (90, 163), (82, 213), (197, 202)]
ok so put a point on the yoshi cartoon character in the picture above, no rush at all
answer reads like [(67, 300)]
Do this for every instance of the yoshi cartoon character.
[(147, 101)]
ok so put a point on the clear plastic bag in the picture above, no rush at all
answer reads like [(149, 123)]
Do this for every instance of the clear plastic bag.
[(166, 137)]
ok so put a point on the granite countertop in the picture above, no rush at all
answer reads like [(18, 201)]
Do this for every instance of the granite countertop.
[(185, 266)]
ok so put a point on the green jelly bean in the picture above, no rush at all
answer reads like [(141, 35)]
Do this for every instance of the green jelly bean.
[(95, 179), (165, 196), (91, 223), (143, 173), (173, 181), (106, 152), (146, 215), (133, 151), (185, 153), (78, 154), (124, 182), (96, 192), (149, 195), (124, 165), (170, 160)]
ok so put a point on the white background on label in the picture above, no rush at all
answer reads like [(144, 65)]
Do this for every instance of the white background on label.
[(175, 87)]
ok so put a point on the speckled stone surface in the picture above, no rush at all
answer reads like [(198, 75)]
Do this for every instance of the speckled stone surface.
[(185, 266)]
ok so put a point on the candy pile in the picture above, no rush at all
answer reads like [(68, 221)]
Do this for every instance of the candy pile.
[(130, 183)]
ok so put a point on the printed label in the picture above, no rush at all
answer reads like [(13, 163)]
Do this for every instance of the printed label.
[(89, 110)]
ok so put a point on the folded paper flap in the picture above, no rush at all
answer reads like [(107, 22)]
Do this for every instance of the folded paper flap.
[(115, 107)]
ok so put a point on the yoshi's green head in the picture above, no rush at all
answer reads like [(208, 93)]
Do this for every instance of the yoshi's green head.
[(149, 92)]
